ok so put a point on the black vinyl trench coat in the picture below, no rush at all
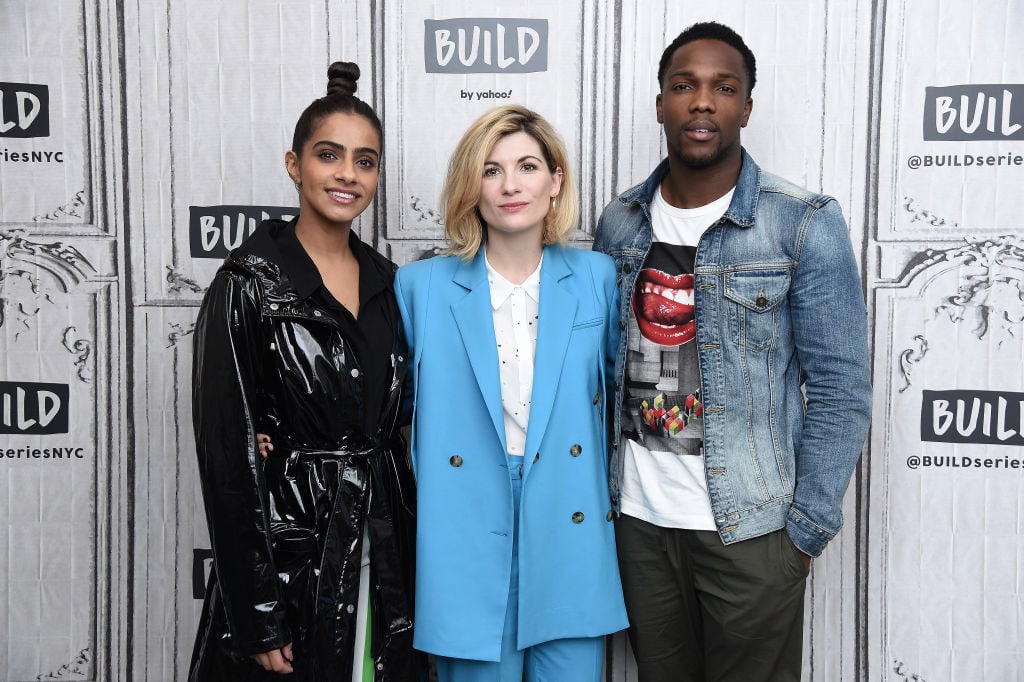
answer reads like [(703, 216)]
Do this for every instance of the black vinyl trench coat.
[(287, 531)]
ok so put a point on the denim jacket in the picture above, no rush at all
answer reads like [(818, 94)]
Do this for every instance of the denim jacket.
[(782, 350)]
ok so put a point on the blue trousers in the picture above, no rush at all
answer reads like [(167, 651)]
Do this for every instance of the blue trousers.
[(560, 660)]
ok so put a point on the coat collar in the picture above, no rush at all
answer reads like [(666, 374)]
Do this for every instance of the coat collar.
[(274, 255), (557, 312), (744, 199)]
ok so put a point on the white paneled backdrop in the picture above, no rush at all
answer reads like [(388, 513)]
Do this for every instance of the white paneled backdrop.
[(141, 138)]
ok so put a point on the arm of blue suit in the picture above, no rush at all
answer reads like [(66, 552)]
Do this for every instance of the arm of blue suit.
[(409, 391), (611, 292)]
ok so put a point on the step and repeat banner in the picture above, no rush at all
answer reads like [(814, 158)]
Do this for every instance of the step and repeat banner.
[(140, 142)]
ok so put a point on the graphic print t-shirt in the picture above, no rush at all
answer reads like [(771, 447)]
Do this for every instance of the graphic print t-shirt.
[(662, 412)]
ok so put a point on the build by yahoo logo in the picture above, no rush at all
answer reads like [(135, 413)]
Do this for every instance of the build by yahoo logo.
[(485, 45), (974, 112)]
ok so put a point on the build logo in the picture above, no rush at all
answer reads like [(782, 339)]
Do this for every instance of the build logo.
[(24, 110), (989, 417), (959, 113), (214, 231), (485, 45), (32, 408)]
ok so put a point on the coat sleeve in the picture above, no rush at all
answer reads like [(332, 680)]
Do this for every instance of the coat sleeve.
[(606, 283), (409, 391), (833, 353), (226, 370)]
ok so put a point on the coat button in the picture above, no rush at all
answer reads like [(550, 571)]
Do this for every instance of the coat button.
[(536, 458), (761, 300), (609, 515), (577, 517), (317, 313), (455, 461), (597, 398), (622, 324), (273, 306), (575, 450), (355, 373)]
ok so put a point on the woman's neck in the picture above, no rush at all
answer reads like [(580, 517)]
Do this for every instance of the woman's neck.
[(321, 241), (514, 256)]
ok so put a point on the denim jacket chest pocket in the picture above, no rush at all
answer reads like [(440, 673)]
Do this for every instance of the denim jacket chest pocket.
[(757, 305)]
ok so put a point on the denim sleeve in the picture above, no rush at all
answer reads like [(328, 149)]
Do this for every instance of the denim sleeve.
[(599, 244), (830, 335)]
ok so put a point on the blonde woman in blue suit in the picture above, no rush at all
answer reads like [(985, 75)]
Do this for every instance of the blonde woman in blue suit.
[(512, 338)]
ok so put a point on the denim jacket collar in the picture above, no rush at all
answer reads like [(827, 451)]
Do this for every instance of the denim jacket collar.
[(741, 208)]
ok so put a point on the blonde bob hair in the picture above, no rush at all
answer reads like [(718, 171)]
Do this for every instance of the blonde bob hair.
[(463, 224)]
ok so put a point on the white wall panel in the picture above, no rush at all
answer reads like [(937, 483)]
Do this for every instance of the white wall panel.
[(159, 107)]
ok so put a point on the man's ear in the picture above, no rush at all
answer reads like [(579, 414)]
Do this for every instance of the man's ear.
[(748, 105)]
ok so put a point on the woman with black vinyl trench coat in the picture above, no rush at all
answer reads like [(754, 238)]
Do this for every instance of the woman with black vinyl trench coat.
[(299, 337)]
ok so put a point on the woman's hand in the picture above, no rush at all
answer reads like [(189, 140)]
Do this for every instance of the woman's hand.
[(277, 661), (266, 447)]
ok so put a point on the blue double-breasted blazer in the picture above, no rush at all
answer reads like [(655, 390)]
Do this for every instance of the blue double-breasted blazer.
[(568, 574)]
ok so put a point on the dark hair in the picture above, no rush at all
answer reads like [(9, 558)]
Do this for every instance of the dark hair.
[(340, 99), (709, 30)]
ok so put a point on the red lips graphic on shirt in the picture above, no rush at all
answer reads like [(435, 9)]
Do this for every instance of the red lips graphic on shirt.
[(663, 306)]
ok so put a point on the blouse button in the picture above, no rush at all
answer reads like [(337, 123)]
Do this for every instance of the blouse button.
[(577, 517), (455, 461), (575, 450)]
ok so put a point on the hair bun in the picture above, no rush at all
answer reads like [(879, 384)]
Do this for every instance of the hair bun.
[(341, 78)]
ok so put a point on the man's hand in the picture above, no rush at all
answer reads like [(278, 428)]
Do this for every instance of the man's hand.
[(266, 447), (278, 660)]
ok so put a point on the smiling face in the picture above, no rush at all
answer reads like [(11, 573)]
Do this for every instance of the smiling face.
[(517, 186), (338, 169), (704, 103)]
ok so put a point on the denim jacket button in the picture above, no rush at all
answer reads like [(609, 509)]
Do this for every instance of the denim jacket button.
[(627, 268)]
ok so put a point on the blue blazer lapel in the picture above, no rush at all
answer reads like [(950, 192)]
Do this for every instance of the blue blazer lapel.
[(557, 313), (475, 320)]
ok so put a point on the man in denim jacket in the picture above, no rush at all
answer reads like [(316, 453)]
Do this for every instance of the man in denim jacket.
[(743, 394)]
